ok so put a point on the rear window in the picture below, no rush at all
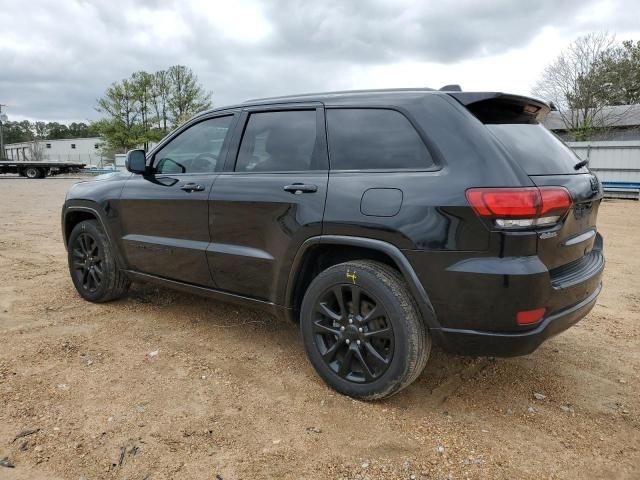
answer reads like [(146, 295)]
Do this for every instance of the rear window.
[(536, 149), (280, 142), (374, 139)]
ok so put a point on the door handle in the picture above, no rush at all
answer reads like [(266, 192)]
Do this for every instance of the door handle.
[(298, 188), (192, 187)]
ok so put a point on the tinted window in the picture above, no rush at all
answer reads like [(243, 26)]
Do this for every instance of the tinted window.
[(280, 141), (536, 149), (196, 150), (374, 139)]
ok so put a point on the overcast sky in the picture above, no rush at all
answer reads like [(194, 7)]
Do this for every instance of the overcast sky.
[(58, 56)]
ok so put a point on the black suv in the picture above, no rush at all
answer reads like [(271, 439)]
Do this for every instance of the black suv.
[(379, 221)]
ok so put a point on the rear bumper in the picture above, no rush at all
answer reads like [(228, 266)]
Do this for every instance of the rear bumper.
[(475, 342), (476, 300)]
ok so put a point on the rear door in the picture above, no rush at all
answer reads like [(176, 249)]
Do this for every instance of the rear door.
[(269, 199), (165, 214)]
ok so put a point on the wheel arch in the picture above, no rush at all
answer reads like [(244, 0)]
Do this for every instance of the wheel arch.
[(319, 253), (74, 214)]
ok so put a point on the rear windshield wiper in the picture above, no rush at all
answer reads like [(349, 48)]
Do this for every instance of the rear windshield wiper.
[(581, 164)]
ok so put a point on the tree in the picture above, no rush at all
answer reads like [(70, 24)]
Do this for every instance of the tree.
[(618, 72), (161, 91), (121, 129), (57, 131), (142, 83), (36, 150), (576, 91), (17, 132), (25, 131), (141, 109), (81, 130), (187, 96), (40, 130)]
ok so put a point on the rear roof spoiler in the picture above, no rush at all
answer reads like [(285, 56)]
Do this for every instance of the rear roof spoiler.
[(482, 103)]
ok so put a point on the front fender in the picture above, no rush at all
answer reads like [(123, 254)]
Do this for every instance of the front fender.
[(75, 211)]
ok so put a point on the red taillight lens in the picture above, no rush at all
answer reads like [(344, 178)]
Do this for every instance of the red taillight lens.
[(554, 199), (527, 317), (504, 202), (520, 207)]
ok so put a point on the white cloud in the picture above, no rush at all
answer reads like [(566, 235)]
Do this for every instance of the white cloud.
[(58, 58)]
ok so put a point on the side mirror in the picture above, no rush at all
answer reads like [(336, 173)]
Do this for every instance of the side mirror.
[(136, 161)]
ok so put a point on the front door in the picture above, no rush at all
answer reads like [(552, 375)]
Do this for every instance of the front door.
[(165, 214), (269, 199)]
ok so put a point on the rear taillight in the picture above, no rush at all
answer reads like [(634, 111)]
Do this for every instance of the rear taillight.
[(513, 208)]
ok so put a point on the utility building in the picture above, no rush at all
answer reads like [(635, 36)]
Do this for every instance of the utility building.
[(82, 150)]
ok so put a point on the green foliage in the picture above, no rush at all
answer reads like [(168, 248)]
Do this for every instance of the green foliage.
[(15, 132), (617, 72), (25, 131), (143, 108)]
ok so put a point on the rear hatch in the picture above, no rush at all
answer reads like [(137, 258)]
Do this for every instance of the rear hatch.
[(548, 162)]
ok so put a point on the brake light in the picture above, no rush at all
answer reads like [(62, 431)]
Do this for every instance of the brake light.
[(520, 207)]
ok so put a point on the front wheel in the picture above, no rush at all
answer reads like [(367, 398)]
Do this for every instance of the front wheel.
[(92, 266), (362, 331)]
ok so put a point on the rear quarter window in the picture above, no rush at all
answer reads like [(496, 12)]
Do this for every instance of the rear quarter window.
[(374, 139), (536, 149)]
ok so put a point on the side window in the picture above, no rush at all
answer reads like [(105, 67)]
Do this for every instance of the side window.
[(196, 150), (281, 141), (365, 138)]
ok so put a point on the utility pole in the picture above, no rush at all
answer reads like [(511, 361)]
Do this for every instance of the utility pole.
[(3, 118)]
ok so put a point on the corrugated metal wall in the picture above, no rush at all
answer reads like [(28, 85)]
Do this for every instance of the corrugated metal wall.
[(611, 161)]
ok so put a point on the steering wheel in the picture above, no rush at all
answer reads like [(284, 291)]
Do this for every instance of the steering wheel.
[(204, 162)]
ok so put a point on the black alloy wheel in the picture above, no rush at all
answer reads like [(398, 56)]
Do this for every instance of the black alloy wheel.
[(353, 333), (362, 330), (92, 264), (87, 262)]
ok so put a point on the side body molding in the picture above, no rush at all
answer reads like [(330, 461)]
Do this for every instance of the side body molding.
[(418, 291)]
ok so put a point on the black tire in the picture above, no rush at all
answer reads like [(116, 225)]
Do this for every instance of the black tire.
[(387, 338), (92, 266), (32, 172)]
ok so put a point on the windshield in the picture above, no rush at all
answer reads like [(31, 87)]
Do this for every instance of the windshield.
[(536, 149)]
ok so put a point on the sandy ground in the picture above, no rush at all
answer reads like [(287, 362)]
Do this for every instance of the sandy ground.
[(230, 394)]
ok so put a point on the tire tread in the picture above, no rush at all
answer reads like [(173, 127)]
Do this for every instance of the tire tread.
[(117, 282), (419, 340)]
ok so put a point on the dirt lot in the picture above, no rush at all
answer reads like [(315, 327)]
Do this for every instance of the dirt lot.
[(230, 394)]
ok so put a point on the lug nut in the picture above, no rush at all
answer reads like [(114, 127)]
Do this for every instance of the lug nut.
[(347, 341), (360, 329), (342, 329), (358, 342), (351, 320)]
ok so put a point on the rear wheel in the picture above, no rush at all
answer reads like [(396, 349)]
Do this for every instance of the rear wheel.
[(92, 265), (362, 331), (32, 172)]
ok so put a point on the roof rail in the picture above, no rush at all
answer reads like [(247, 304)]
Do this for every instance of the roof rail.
[(343, 92)]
